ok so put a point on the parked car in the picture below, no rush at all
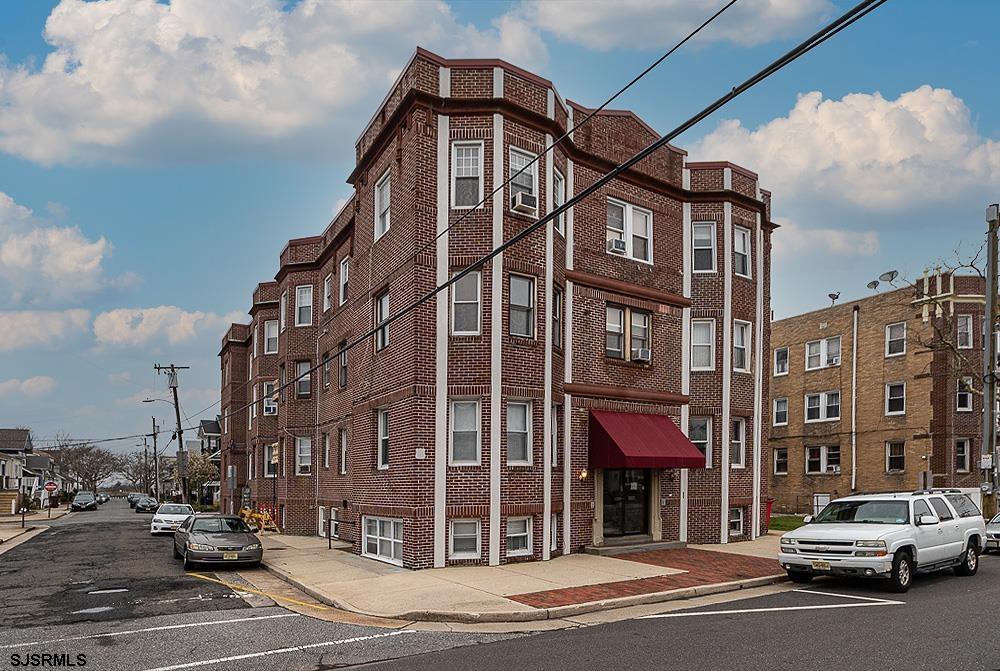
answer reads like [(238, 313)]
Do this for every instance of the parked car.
[(146, 505), (169, 516), (84, 501), (102, 499), (890, 536), (993, 534), (216, 539), (133, 498)]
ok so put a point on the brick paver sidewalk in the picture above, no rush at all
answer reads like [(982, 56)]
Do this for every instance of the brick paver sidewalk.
[(702, 567)]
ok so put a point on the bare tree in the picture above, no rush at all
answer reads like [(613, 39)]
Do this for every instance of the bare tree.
[(136, 468), (90, 464), (200, 471)]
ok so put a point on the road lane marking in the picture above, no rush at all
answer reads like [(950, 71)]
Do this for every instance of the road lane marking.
[(165, 627), (775, 609), (108, 591), (244, 588), (848, 596), (281, 651)]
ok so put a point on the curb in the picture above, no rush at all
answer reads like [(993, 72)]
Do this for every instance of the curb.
[(20, 533), (553, 613), (25, 535)]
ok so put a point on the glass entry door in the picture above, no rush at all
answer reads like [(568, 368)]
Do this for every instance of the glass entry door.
[(626, 502)]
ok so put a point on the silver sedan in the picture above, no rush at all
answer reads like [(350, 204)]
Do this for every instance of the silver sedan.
[(217, 539)]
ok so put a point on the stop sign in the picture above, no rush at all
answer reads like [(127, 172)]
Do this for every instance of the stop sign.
[(51, 487)]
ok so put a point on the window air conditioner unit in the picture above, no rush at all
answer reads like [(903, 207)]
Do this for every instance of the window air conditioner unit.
[(835, 470), (640, 354), (834, 361), (616, 246), (525, 203)]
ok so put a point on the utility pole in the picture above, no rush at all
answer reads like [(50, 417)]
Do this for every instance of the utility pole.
[(145, 466), (171, 372), (156, 462), (988, 453)]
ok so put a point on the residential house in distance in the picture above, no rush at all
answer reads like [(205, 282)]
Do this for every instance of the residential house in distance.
[(15, 447), (539, 407), (878, 394)]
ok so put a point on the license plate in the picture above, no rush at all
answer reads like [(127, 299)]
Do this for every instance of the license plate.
[(236, 555), (820, 565)]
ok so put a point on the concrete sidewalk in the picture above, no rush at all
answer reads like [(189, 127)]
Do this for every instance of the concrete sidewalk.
[(520, 592), (34, 517)]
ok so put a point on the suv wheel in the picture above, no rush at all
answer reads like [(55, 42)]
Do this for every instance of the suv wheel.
[(902, 572), (800, 576), (970, 561)]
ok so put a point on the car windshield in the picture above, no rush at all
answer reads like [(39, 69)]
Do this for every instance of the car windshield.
[(84, 496), (175, 510), (221, 525), (865, 512), (995, 520)]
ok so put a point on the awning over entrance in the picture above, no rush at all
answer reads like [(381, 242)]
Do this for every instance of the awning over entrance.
[(638, 440)]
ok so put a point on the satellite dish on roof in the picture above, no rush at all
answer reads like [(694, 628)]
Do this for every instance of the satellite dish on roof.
[(833, 297), (889, 276), (873, 285)]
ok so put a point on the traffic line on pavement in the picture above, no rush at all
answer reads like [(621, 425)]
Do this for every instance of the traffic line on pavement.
[(244, 588), (776, 609), (281, 651), (165, 627), (848, 596)]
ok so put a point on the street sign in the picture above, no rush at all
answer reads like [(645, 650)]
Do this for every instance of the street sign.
[(51, 487)]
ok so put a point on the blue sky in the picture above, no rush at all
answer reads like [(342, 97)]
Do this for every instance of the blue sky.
[(139, 140)]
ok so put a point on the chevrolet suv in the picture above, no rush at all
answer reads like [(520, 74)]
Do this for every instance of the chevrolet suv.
[(890, 536)]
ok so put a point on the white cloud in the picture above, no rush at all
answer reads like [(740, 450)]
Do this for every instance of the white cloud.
[(129, 327), (31, 328), (644, 24), (120, 378), (186, 79), (31, 387), (794, 239), (876, 153)]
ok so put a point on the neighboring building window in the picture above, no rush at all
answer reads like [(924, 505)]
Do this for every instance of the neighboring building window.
[(823, 353), (965, 331), (304, 305), (342, 373), (700, 433), (522, 306), (781, 361), (382, 417), (345, 268), (781, 461), (303, 455), (519, 432), (630, 345), (557, 317), (615, 332), (381, 313), (735, 521), (518, 536), (964, 400), (554, 435), (326, 450), (781, 412), (383, 205), (558, 199), (639, 335), (467, 174), (270, 402), (823, 459), (629, 231), (283, 308), (738, 443), (271, 460), (895, 456), (326, 369), (342, 436), (703, 244), (741, 251), (962, 455), (741, 346), (253, 410), (303, 379), (464, 433), (702, 344), (523, 174), (465, 309), (823, 407), (465, 537), (327, 292), (895, 398), (895, 339), (383, 539), (271, 336)]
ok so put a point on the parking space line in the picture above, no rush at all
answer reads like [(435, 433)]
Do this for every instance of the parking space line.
[(775, 609), (147, 630), (281, 651), (245, 588), (848, 596)]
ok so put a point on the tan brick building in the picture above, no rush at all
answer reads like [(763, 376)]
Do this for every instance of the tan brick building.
[(870, 394)]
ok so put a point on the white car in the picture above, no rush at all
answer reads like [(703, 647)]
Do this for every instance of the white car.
[(168, 517), (888, 536)]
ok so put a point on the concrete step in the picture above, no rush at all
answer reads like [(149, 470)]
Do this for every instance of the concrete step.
[(640, 544)]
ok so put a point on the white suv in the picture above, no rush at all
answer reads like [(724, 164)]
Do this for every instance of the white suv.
[(887, 536)]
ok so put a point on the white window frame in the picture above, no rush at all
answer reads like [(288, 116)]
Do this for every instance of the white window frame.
[(629, 230), (967, 382), (708, 437), (380, 314), (558, 317), (326, 450), (774, 414), (388, 559), (704, 224), (824, 353), (898, 412), (788, 361), (270, 403), (327, 292), (300, 304), (301, 442), (478, 144), (742, 462), (301, 378), (710, 344), (888, 444), (741, 232), (747, 327), (823, 401), (270, 456), (967, 320), (283, 309), (478, 303), (774, 459), (532, 307), (382, 435), (968, 455), (386, 177), (528, 422), (528, 532), (824, 453), (466, 554), (531, 167), (452, 461), (558, 199), (268, 338), (888, 328), (554, 532), (345, 274), (620, 331), (736, 519), (342, 437)]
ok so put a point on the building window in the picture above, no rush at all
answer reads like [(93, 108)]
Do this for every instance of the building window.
[(781, 461), (964, 400), (629, 231), (270, 402), (342, 437), (303, 455), (523, 175), (465, 308), (637, 346), (823, 407), (895, 398), (823, 353), (342, 373), (741, 251), (519, 432), (700, 434), (467, 174), (465, 537), (382, 418), (615, 332), (283, 308), (464, 433), (781, 361), (326, 450), (735, 521), (383, 205), (304, 305), (518, 536), (822, 459), (281, 382), (381, 314), (703, 247), (965, 331), (639, 335), (558, 199), (781, 412), (345, 268), (326, 370), (271, 460), (327, 292), (962, 452), (702, 344), (741, 347), (738, 443), (522, 306), (303, 379), (895, 456), (253, 410), (557, 317), (271, 336), (895, 339), (383, 539), (554, 435)]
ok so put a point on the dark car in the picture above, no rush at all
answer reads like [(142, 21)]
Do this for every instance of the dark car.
[(102, 498), (217, 539), (146, 505), (133, 498), (84, 501)]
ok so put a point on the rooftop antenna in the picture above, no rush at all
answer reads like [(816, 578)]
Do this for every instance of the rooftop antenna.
[(833, 298), (889, 276), (873, 285)]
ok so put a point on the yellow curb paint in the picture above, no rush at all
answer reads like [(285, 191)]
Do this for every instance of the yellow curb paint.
[(244, 588)]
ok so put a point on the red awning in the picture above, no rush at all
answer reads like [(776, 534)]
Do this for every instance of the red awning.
[(637, 440)]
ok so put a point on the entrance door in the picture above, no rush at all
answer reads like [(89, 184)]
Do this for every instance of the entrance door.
[(626, 502)]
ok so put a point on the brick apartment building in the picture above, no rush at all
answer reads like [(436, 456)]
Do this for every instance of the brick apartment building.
[(870, 395), (480, 431)]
